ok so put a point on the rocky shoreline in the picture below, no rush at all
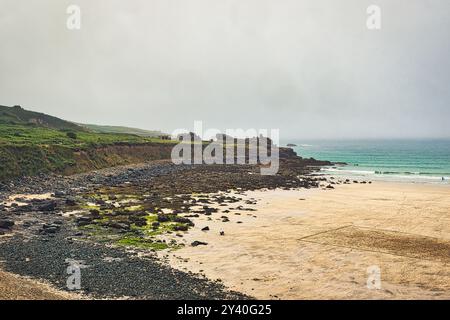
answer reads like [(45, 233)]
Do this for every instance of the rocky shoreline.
[(113, 221)]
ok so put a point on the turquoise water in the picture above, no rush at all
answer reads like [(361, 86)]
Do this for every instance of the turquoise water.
[(417, 160)]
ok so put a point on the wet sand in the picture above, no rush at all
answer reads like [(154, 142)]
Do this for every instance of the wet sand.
[(319, 244)]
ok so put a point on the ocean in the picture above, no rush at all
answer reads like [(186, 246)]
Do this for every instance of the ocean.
[(399, 160)]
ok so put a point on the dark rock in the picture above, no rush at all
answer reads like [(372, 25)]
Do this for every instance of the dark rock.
[(198, 243), (205, 229), (163, 218), (183, 220), (140, 223), (59, 194), (95, 213), (6, 224), (71, 202), (182, 227), (48, 207), (50, 228), (84, 221), (119, 225)]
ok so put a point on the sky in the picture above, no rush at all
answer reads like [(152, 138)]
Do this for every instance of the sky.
[(310, 68)]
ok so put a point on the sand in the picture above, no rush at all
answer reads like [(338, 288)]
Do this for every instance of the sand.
[(324, 244), (14, 287)]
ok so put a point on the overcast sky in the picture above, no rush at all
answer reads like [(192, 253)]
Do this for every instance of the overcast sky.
[(308, 67)]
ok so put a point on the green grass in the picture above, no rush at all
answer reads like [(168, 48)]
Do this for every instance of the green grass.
[(29, 149), (132, 241), (122, 130), (32, 135)]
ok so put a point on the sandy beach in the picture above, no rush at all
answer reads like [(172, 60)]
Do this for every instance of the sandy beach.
[(322, 244)]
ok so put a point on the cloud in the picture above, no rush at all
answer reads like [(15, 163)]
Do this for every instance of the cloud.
[(310, 68)]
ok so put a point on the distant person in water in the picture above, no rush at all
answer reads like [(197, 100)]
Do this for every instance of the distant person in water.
[(443, 178)]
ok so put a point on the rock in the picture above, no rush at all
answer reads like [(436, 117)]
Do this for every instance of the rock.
[(95, 213), (84, 221), (26, 224), (140, 223), (182, 227), (50, 228), (59, 194), (183, 220), (71, 202), (119, 225), (155, 224), (198, 243), (48, 207), (330, 186), (6, 224), (163, 218), (222, 233), (205, 229)]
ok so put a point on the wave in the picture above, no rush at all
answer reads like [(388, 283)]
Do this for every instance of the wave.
[(348, 171), (393, 174)]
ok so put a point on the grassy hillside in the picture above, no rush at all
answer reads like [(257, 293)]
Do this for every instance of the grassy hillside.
[(40, 136), (18, 116), (123, 130), (31, 143)]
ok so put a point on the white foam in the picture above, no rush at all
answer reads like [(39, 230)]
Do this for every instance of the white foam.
[(416, 176)]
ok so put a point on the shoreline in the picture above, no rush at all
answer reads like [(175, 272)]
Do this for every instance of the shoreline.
[(383, 177)]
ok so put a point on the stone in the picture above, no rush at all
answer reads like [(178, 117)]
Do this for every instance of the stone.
[(6, 224), (181, 228), (83, 221), (163, 218), (71, 202), (48, 207), (50, 228), (198, 243)]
